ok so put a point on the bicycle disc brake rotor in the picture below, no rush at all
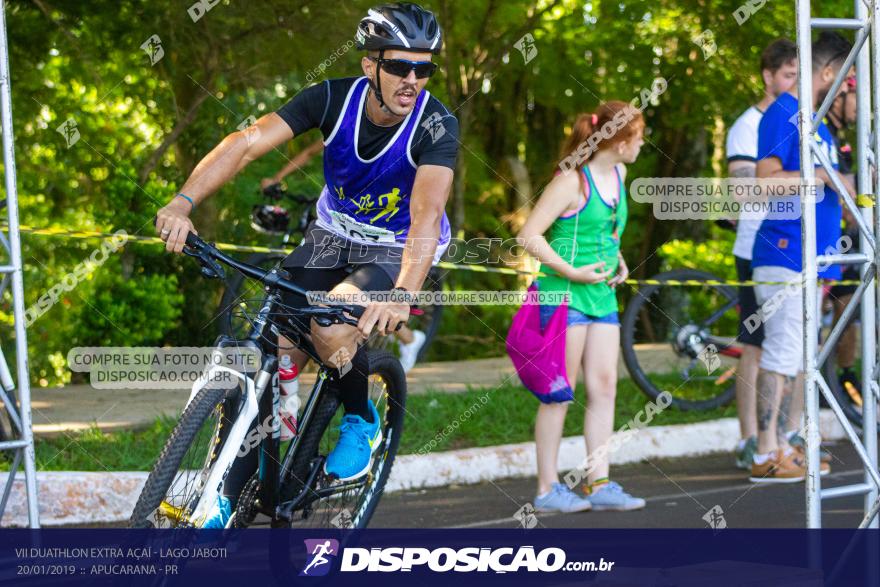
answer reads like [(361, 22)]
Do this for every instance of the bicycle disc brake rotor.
[(689, 341)]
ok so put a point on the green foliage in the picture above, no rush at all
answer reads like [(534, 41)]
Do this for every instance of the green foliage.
[(713, 256), (95, 450), (506, 414), (144, 127)]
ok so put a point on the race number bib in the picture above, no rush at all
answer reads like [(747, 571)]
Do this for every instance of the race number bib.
[(359, 231)]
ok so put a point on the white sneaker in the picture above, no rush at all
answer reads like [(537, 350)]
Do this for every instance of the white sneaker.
[(410, 352)]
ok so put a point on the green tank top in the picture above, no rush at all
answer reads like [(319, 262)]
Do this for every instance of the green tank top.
[(599, 227)]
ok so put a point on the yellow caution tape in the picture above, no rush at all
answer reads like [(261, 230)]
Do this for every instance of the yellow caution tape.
[(89, 234), (719, 282), (86, 234), (865, 200)]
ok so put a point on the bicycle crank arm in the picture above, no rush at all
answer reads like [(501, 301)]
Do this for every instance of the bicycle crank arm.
[(285, 510)]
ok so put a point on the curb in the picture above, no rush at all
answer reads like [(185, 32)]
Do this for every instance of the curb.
[(99, 498)]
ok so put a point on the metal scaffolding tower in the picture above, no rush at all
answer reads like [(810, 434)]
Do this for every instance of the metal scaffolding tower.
[(865, 55), (18, 412)]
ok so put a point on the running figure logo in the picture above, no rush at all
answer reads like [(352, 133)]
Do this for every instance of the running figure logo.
[(526, 46), (153, 48), (321, 553), (715, 518), (325, 254), (434, 125), (69, 131)]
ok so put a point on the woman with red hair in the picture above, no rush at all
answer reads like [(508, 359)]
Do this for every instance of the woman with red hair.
[(574, 230)]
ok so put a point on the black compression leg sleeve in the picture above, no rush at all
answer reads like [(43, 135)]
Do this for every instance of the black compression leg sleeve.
[(352, 386)]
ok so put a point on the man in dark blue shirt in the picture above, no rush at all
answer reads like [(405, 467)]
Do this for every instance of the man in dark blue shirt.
[(777, 257)]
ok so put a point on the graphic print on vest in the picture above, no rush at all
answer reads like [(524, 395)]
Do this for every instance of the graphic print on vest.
[(367, 200)]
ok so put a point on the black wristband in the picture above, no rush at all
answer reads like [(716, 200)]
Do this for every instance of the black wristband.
[(401, 295)]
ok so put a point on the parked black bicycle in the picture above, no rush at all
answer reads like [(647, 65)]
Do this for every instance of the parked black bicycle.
[(273, 219), (679, 334), (290, 486)]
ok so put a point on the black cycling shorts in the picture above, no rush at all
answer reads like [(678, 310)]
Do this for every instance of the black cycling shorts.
[(748, 305), (324, 260)]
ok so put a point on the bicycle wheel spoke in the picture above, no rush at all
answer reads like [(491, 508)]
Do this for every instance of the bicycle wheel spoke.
[(718, 314), (682, 339), (343, 504)]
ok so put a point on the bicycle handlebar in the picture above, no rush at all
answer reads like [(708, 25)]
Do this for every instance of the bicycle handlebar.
[(208, 255)]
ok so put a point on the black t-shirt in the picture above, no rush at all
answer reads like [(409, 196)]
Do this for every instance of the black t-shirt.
[(320, 106)]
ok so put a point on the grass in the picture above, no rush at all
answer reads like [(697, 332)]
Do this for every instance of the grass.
[(94, 450), (507, 415), (484, 417)]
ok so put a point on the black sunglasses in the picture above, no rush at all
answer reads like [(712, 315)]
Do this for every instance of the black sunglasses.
[(402, 67)]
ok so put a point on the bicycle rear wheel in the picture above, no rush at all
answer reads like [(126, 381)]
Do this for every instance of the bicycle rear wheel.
[(176, 481), (328, 502), (682, 339)]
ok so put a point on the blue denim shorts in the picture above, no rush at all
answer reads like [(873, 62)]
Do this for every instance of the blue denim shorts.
[(576, 317)]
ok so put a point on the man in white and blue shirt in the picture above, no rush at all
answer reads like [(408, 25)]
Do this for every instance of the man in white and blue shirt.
[(777, 257), (779, 74)]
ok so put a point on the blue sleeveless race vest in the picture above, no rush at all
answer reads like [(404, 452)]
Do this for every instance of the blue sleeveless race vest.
[(367, 201)]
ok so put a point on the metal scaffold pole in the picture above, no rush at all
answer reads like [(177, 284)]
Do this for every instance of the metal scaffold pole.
[(864, 56), (19, 412)]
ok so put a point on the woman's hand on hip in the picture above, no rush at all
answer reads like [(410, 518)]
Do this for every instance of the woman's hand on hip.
[(622, 274), (591, 273)]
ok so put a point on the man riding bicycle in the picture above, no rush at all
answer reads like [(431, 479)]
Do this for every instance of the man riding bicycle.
[(411, 341), (390, 150)]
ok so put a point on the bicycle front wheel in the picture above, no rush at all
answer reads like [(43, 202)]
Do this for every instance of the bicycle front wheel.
[(329, 503), (175, 484), (681, 338)]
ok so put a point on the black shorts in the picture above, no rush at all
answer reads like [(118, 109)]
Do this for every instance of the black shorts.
[(324, 260), (748, 305)]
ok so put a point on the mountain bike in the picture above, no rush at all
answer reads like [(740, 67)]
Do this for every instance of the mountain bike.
[(273, 219), (290, 486), (679, 334)]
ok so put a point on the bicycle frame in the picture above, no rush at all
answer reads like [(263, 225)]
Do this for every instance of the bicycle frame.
[(211, 486), (255, 402)]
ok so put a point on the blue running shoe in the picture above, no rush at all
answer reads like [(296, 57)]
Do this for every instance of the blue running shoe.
[(352, 456), (218, 515), (561, 499)]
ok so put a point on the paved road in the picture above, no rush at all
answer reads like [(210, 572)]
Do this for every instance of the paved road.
[(679, 492)]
